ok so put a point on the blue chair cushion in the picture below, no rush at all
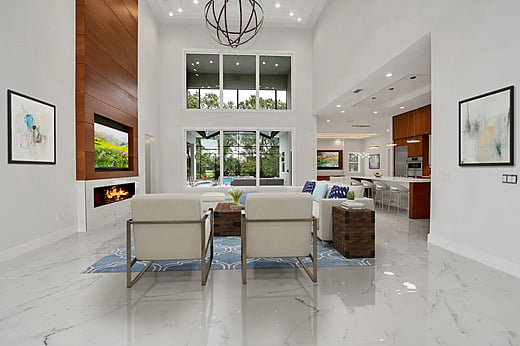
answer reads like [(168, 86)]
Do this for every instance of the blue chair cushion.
[(338, 192), (320, 191), (243, 197), (309, 186)]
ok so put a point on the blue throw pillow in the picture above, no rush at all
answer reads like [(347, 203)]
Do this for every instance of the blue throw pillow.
[(309, 186), (338, 192), (320, 191), (243, 197)]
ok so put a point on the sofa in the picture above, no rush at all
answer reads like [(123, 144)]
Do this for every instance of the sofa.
[(322, 210)]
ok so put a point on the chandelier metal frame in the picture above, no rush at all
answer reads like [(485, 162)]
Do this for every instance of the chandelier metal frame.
[(228, 34)]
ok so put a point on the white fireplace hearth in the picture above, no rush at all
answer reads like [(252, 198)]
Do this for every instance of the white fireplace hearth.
[(115, 214)]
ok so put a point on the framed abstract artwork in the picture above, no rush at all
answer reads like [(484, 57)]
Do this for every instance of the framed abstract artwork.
[(31, 126), (374, 161), (329, 159), (486, 129)]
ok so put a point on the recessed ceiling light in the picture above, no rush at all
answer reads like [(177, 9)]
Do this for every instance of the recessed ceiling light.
[(211, 61), (196, 74), (375, 112), (402, 107), (338, 106), (195, 2), (413, 141), (391, 89), (237, 63), (179, 10), (299, 19), (263, 62), (291, 14), (277, 5), (196, 62), (276, 65), (328, 120), (391, 144), (373, 97), (195, 69), (170, 14), (413, 77), (343, 111), (192, 64), (388, 75), (373, 147)]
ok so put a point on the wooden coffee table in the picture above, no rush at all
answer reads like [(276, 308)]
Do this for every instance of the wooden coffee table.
[(227, 220)]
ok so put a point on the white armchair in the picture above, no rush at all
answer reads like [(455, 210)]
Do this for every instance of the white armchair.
[(168, 227), (279, 225)]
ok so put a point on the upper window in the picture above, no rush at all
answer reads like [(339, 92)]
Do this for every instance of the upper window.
[(353, 163), (220, 81)]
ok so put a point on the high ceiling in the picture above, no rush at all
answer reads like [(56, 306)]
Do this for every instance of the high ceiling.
[(401, 85), (304, 12)]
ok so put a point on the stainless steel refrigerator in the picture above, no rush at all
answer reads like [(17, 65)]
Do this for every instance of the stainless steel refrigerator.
[(400, 156)]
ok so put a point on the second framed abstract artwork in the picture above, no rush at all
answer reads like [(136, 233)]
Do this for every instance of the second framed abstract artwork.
[(31, 130), (486, 129)]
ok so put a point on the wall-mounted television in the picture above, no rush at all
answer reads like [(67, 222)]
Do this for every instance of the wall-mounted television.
[(110, 145), (329, 159)]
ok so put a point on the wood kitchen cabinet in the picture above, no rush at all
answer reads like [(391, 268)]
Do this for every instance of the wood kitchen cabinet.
[(412, 124), (400, 126)]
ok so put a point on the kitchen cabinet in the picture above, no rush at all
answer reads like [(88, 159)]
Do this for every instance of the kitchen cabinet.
[(400, 126), (410, 124)]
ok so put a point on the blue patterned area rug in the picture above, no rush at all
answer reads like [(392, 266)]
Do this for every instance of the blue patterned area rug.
[(226, 256)]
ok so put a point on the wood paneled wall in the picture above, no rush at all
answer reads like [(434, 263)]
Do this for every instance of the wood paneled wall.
[(106, 78)]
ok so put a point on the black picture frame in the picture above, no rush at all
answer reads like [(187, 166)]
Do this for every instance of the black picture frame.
[(486, 128), (374, 161), (329, 159), (31, 139)]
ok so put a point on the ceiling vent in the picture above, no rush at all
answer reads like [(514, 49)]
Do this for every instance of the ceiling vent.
[(361, 125), (357, 91)]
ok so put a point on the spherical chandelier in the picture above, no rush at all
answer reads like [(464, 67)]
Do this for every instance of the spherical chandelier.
[(233, 22)]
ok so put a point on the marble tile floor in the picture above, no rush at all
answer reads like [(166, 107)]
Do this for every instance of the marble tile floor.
[(416, 294)]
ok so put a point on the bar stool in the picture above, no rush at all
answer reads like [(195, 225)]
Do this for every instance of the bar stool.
[(368, 187), (355, 182), (395, 192), (381, 188)]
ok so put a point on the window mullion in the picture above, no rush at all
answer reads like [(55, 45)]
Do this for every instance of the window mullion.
[(221, 160), (221, 80), (257, 157), (257, 81)]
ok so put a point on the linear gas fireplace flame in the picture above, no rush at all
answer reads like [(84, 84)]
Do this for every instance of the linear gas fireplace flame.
[(113, 193)]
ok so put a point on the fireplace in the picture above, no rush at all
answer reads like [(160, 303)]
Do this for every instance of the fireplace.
[(113, 193)]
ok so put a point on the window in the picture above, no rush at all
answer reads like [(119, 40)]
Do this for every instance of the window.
[(275, 75), (235, 85), (202, 81), (242, 152), (353, 163)]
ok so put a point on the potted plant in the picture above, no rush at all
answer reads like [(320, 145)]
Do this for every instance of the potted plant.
[(236, 195), (350, 195)]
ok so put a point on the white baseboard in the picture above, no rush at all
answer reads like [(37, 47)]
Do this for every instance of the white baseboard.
[(498, 263), (21, 249)]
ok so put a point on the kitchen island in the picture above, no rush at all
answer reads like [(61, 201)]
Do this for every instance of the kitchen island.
[(418, 203)]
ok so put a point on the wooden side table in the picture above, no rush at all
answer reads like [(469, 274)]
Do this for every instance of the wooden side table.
[(353, 232), (227, 220)]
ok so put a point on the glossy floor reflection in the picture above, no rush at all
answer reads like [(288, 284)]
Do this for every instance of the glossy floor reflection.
[(415, 295)]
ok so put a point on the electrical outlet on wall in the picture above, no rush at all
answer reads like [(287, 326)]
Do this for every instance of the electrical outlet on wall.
[(510, 178)]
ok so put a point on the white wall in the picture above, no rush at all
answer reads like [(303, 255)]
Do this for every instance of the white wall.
[(37, 202), (386, 154), (473, 52), (174, 39), (149, 92), (348, 146)]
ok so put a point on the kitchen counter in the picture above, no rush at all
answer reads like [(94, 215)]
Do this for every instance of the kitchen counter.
[(394, 179), (418, 193)]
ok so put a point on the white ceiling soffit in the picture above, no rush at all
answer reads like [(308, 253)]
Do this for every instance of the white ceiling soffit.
[(406, 94), (167, 11)]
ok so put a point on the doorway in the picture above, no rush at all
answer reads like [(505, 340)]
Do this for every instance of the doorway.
[(149, 148)]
